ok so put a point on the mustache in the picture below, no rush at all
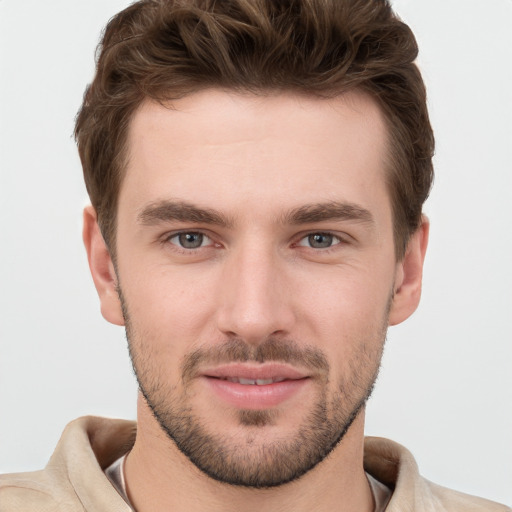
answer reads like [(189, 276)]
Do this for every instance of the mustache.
[(238, 351)]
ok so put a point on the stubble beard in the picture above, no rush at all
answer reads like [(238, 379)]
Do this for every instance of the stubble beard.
[(245, 461)]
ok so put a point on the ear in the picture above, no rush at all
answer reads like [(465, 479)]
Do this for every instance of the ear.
[(102, 268), (409, 275)]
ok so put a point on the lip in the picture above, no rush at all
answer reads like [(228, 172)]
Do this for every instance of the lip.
[(255, 371), (255, 396)]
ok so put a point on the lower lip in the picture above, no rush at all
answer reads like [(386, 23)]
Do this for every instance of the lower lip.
[(252, 396)]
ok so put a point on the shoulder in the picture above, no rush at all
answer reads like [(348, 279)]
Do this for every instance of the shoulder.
[(450, 500), (26, 492), (395, 466), (73, 480)]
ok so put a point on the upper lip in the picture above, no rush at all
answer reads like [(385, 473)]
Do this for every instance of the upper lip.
[(265, 371)]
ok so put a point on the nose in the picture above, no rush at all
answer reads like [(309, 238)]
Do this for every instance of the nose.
[(255, 296)]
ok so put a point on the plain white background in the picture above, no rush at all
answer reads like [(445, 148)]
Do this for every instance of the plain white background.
[(445, 389)]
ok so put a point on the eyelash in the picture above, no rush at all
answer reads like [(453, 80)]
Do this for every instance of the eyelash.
[(337, 241), (188, 250)]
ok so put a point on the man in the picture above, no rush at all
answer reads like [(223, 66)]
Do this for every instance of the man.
[(256, 172)]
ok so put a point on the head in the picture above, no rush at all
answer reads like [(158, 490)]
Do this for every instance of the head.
[(257, 171), (163, 50)]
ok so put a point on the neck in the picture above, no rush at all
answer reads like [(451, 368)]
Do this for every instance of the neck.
[(160, 478)]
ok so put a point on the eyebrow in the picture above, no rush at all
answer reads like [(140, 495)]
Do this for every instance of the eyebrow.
[(182, 211), (332, 210), (166, 211)]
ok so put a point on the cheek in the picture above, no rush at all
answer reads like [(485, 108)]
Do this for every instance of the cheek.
[(345, 308), (168, 306)]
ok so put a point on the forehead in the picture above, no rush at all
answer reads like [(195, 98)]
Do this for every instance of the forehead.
[(229, 149)]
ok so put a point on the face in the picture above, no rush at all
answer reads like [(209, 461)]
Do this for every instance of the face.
[(256, 274)]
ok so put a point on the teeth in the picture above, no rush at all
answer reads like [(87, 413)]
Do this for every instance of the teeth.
[(262, 382), (252, 382), (247, 381)]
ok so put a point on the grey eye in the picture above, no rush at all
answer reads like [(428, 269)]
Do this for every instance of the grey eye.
[(189, 240), (319, 241)]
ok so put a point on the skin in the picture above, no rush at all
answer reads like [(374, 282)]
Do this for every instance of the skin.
[(254, 161)]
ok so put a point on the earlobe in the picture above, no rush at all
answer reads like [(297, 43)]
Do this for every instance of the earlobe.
[(102, 268), (407, 290)]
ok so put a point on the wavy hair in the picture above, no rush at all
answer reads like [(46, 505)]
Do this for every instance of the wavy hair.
[(163, 50)]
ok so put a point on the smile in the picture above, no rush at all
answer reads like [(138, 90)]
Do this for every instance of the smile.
[(257, 387), (252, 382)]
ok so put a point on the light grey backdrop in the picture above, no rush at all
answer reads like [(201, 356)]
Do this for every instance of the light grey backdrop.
[(445, 390)]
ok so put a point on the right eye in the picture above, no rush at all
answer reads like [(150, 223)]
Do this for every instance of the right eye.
[(190, 240)]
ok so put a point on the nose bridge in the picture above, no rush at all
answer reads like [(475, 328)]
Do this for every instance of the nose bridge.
[(254, 301)]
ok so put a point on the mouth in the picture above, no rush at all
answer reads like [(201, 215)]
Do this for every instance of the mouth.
[(256, 387), (252, 382)]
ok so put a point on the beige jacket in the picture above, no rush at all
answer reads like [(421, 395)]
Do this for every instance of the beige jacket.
[(73, 480)]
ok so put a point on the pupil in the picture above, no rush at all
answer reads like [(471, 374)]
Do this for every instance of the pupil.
[(320, 241), (191, 240)]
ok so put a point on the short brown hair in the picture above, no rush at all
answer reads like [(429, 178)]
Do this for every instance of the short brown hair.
[(165, 49)]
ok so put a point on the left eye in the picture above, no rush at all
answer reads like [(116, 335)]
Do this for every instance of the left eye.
[(319, 241), (190, 240)]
